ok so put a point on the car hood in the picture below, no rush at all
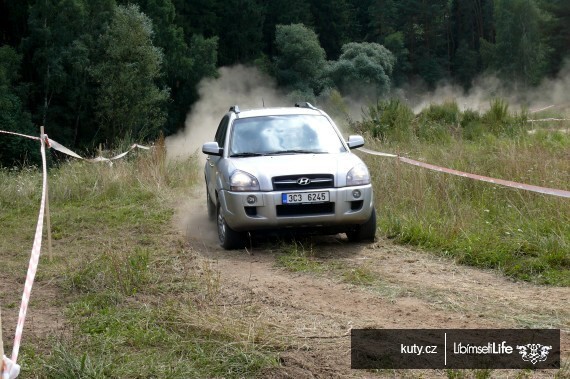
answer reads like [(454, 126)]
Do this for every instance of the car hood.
[(266, 167)]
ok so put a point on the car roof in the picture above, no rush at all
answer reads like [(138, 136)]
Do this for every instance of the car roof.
[(278, 111)]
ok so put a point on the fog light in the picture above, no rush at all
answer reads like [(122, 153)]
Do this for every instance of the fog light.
[(356, 194), (251, 199)]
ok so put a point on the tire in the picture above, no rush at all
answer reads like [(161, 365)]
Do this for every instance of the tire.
[(364, 232), (229, 238), (210, 206)]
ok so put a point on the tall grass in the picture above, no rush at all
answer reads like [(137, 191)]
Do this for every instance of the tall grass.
[(387, 120), (128, 285), (523, 234)]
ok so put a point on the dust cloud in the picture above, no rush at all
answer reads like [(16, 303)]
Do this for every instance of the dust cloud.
[(551, 92), (238, 85), (191, 219), (249, 88)]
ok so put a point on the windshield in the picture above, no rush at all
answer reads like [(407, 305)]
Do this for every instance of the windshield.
[(284, 134)]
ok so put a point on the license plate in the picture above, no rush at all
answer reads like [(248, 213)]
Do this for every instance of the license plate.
[(305, 197)]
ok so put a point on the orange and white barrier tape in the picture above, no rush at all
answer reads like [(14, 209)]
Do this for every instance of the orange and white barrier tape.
[(34, 259), (9, 367), (11, 370), (507, 183), (59, 147), (542, 109), (549, 119), (19, 134), (372, 152)]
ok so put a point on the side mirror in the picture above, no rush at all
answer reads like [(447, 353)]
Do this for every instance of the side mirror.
[(355, 142), (212, 148)]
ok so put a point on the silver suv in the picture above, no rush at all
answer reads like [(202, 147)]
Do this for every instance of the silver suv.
[(286, 169)]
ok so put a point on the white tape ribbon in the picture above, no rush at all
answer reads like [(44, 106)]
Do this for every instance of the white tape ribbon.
[(59, 147), (8, 367), (34, 259), (506, 183), (372, 152), (20, 135)]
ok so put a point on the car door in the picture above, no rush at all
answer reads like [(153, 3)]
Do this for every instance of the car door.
[(212, 160)]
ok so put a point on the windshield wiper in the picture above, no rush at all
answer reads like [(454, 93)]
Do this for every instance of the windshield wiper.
[(245, 155), (295, 152)]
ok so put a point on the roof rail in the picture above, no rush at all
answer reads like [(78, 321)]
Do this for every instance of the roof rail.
[(235, 109), (305, 104)]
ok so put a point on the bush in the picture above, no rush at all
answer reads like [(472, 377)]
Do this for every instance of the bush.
[(447, 113), (471, 125), (388, 120), (500, 122), (438, 122)]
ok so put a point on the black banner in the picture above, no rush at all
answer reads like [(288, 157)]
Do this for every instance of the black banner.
[(455, 348)]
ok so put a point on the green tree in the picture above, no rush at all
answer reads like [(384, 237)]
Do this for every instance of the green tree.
[(558, 32), (520, 52), (13, 21), (129, 103), (240, 31), (395, 43), (426, 30), (335, 22), (300, 61), (13, 118), (184, 65), (284, 12), (385, 19), (199, 17), (466, 64), (52, 44), (364, 63), (61, 48), (471, 21)]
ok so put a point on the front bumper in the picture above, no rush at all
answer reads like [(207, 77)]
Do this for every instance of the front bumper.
[(269, 212)]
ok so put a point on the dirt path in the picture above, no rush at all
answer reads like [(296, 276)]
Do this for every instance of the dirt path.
[(312, 313), (413, 289)]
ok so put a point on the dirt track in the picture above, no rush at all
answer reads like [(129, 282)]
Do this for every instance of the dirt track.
[(414, 290), (312, 313)]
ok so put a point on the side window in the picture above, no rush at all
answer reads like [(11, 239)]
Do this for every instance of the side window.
[(222, 130)]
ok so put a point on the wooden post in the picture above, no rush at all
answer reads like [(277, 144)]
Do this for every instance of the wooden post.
[(50, 254)]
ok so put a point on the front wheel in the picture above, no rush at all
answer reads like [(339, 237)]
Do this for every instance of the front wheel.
[(229, 238), (364, 232)]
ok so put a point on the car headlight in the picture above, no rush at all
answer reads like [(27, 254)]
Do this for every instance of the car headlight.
[(242, 181), (357, 176)]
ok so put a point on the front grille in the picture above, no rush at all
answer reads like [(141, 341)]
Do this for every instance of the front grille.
[(304, 209), (289, 182)]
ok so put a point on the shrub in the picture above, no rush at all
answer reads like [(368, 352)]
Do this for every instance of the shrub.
[(471, 125), (388, 120), (438, 122), (499, 121)]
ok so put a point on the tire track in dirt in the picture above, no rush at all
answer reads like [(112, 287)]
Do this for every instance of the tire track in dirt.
[(413, 290)]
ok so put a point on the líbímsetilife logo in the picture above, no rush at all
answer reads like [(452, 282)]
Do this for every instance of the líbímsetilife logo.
[(455, 349), (534, 352)]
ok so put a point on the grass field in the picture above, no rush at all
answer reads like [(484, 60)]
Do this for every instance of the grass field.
[(525, 235), (138, 301), (141, 304)]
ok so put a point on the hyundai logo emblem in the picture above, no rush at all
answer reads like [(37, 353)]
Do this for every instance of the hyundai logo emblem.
[(303, 181)]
